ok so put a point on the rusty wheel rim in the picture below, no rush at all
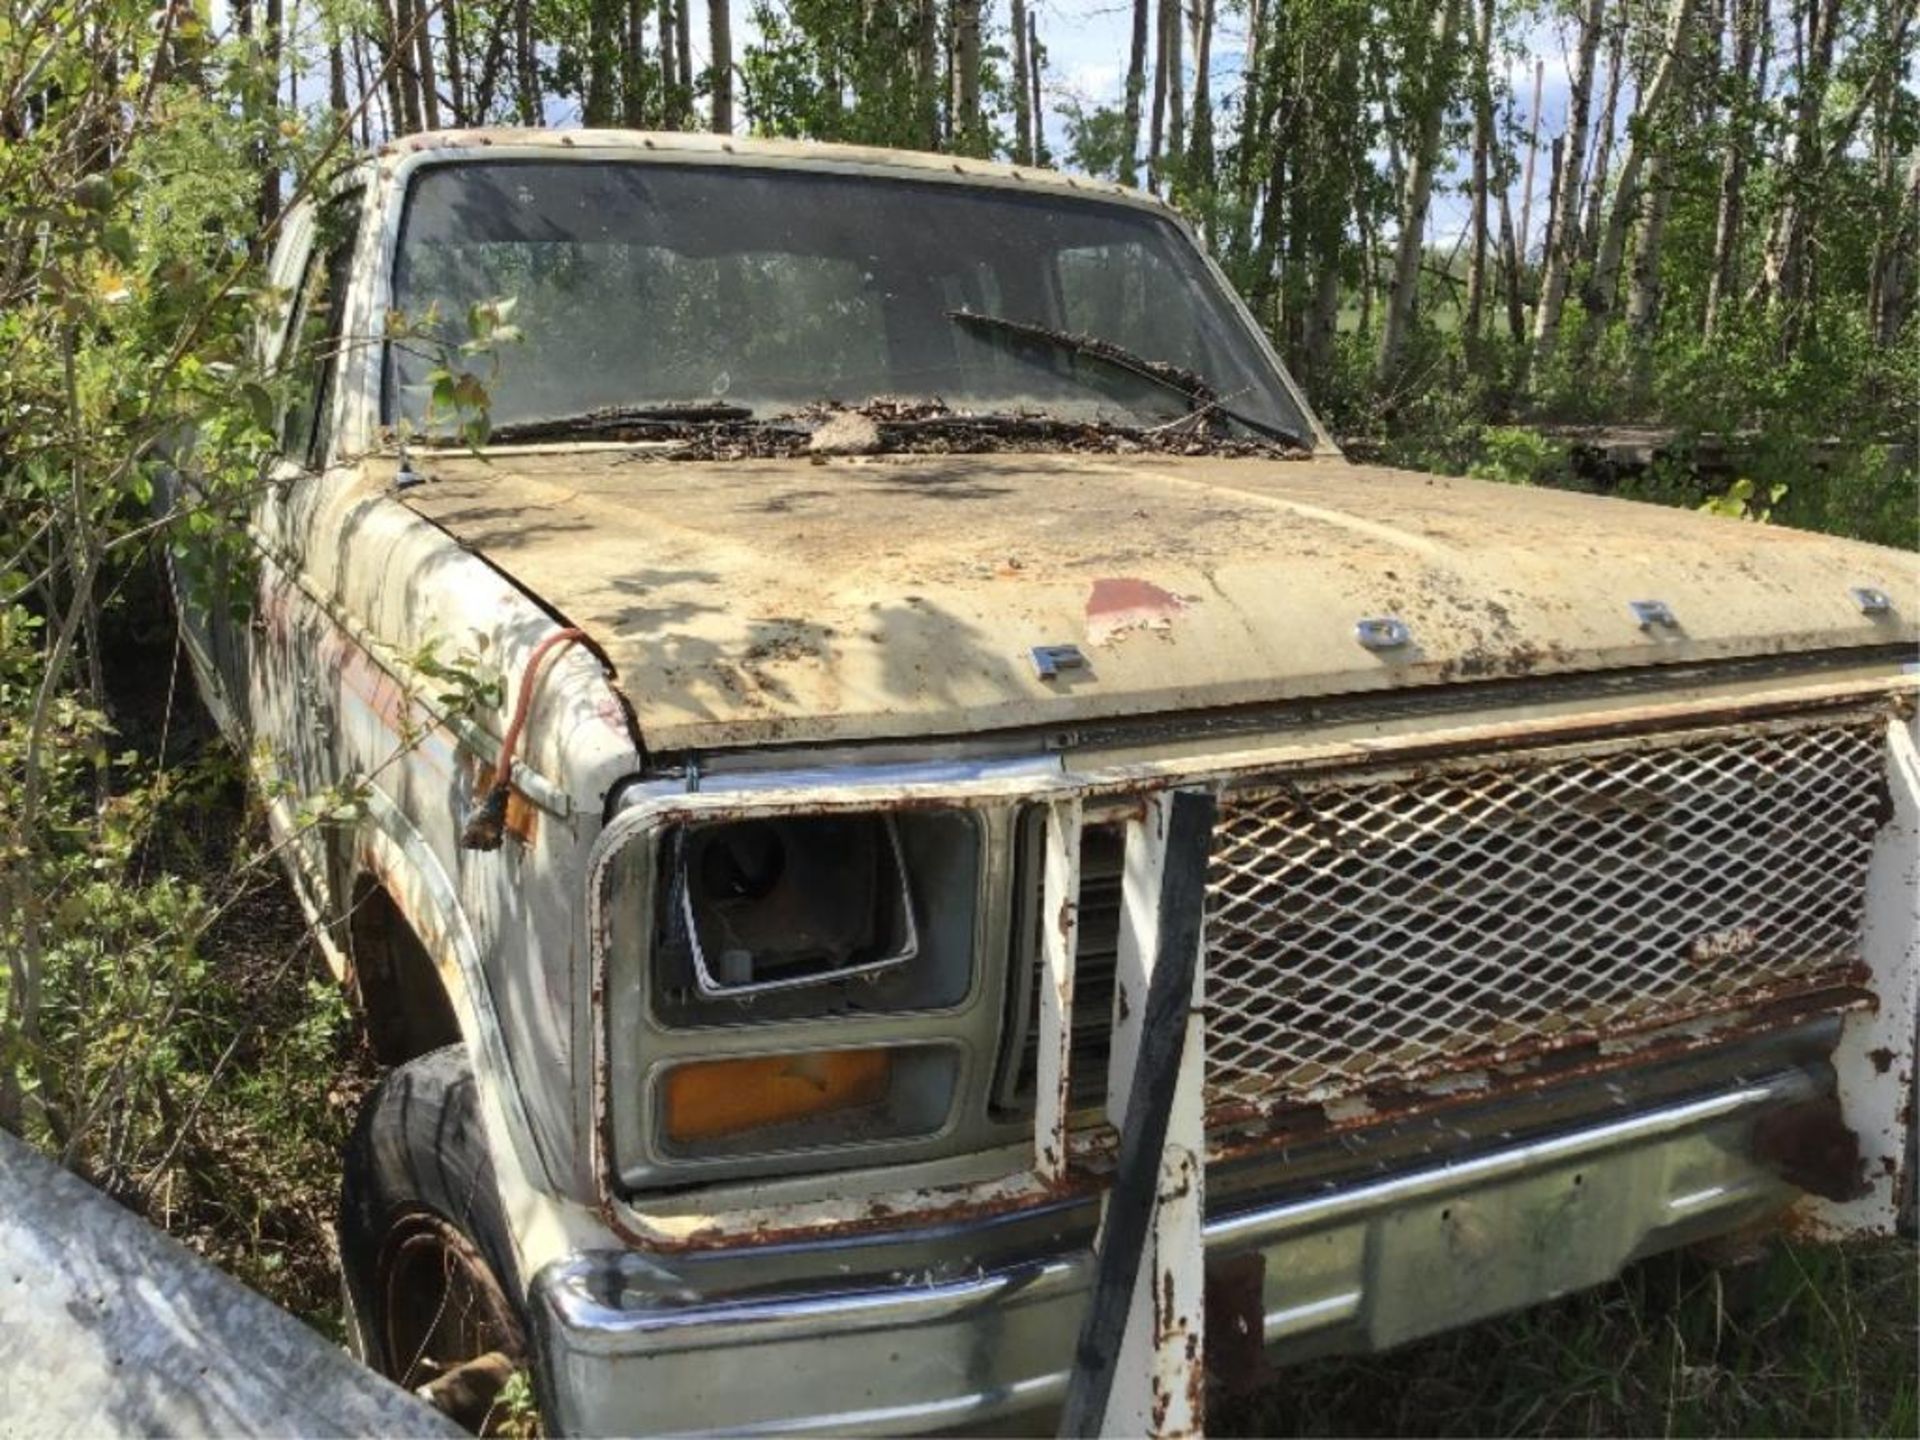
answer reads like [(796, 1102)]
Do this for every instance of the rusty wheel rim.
[(444, 1310)]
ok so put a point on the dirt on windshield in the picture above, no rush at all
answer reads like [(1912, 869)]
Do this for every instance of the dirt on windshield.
[(892, 426)]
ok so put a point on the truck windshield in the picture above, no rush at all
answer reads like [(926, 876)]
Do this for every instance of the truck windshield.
[(768, 290)]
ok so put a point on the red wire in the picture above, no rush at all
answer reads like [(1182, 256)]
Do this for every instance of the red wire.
[(504, 775)]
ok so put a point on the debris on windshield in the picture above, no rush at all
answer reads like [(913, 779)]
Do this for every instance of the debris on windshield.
[(892, 425), (621, 421), (846, 432)]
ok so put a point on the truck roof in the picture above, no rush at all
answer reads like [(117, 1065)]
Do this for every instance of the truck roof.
[(681, 144)]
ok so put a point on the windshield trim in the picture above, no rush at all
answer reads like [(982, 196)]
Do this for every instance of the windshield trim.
[(589, 147)]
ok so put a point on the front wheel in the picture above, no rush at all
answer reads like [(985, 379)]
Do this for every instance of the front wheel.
[(429, 1270)]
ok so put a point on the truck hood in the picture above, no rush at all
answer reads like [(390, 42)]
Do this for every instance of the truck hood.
[(774, 601)]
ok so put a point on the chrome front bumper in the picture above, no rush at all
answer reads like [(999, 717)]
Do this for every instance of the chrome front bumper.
[(624, 1349)]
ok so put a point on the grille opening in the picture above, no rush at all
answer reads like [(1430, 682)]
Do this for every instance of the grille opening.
[(1367, 930), (1102, 851)]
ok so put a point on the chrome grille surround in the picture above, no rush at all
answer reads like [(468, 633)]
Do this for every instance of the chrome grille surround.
[(1368, 929)]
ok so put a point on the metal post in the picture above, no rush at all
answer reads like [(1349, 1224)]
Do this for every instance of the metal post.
[(1139, 1366)]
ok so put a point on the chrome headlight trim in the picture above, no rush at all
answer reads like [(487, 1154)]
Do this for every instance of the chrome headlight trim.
[(635, 1045)]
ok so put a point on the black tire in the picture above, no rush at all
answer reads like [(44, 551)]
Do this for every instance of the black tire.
[(424, 1248)]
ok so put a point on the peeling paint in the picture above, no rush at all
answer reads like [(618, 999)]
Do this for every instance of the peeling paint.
[(1119, 606)]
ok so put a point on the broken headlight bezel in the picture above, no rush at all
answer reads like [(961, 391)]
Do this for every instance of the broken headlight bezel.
[(940, 1011), (926, 890), (705, 909)]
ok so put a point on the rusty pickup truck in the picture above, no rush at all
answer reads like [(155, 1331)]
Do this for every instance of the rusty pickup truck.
[(925, 853)]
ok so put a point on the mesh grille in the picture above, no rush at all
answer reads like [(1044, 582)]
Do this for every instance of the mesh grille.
[(1370, 931)]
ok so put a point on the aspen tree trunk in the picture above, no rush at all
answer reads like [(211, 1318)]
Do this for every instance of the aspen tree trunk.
[(1482, 156), (293, 58), (1369, 262), (969, 136), (1556, 156), (606, 32), (1200, 164), (1136, 92), (337, 80), (1176, 86), (1561, 244), (402, 98), (669, 67), (1533, 152), (426, 79), (633, 74), (1643, 290), (364, 84), (634, 66), (926, 73), (1253, 118), (273, 50), (1896, 265), (1724, 276), (1818, 144), (456, 71), (1036, 62), (526, 64), (683, 51), (1157, 113), (487, 85), (1604, 281), (1779, 279), (1328, 236), (1419, 189), (1603, 143), (1022, 87), (720, 41), (1510, 247)]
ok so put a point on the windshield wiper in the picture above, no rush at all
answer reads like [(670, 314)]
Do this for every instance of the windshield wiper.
[(1200, 396), (668, 416)]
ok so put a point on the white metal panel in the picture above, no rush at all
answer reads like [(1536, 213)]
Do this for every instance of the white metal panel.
[(1874, 1061), (1059, 935)]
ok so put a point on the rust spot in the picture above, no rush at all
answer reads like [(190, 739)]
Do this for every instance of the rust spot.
[(1810, 1146), (1117, 606), (1718, 945), (523, 816), (1882, 1060), (1251, 1127)]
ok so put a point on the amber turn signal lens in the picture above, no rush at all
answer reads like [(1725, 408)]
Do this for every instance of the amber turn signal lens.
[(713, 1098)]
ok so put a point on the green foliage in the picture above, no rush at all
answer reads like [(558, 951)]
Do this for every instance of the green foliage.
[(1096, 138), (1743, 501), (1806, 1340), (144, 1037), (1516, 455), (826, 70)]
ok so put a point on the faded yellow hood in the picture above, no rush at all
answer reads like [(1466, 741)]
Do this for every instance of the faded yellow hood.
[(772, 601)]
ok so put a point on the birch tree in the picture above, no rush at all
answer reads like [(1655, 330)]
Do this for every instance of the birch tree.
[(1433, 97), (1645, 134), (1562, 243)]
